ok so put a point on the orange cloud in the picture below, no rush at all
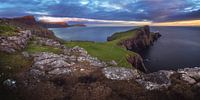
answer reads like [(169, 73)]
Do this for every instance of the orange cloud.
[(179, 23), (121, 22)]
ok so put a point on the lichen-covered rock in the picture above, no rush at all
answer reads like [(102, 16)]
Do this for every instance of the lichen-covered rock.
[(119, 73), (156, 80), (83, 56), (48, 42), (51, 64), (12, 44), (190, 75)]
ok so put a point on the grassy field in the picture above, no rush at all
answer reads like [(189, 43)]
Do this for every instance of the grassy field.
[(108, 51), (34, 48), (6, 30)]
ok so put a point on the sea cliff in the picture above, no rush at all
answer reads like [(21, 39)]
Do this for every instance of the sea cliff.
[(136, 40)]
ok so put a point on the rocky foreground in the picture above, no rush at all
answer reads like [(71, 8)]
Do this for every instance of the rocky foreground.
[(75, 75)]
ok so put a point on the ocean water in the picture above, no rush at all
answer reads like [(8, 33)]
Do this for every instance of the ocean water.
[(179, 47)]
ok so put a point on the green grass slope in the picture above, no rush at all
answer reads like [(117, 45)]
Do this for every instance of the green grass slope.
[(110, 50), (6, 30)]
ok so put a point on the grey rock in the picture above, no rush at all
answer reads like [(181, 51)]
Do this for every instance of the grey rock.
[(10, 83), (59, 71), (190, 75), (187, 78), (191, 72), (120, 73), (48, 42), (156, 80), (14, 43), (25, 54)]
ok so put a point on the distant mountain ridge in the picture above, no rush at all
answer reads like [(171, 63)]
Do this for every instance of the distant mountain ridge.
[(31, 21), (53, 24)]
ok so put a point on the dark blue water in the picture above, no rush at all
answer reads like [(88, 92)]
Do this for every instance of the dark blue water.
[(179, 47), (98, 34)]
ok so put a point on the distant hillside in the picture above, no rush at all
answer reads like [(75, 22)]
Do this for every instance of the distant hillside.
[(53, 24), (29, 20)]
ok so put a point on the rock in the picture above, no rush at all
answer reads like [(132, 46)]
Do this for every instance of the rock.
[(59, 71), (190, 75), (113, 63), (156, 80), (48, 42), (137, 62), (191, 72), (187, 78), (83, 56), (25, 54), (119, 73), (12, 44), (50, 64), (10, 83)]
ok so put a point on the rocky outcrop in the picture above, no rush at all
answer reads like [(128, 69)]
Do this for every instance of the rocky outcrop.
[(137, 62), (29, 20), (28, 23), (14, 43), (47, 42), (143, 39), (190, 75), (156, 80), (120, 73), (50, 64)]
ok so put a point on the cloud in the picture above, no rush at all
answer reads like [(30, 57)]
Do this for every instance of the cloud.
[(94, 21), (139, 10)]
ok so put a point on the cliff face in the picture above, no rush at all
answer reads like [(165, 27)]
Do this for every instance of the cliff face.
[(28, 23), (29, 20), (138, 40), (143, 39)]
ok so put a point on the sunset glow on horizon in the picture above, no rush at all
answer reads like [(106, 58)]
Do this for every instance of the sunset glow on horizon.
[(98, 22)]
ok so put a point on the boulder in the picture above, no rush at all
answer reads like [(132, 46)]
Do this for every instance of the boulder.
[(156, 80), (120, 73)]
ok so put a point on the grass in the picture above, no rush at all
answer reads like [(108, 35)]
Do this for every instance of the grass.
[(117, 37), (6, 30), (105, 51), (110, 50), (34, 48)]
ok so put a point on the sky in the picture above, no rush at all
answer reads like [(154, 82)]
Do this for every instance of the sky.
[(127, 12)]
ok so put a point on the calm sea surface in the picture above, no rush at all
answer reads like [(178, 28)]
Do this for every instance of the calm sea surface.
[(178, 47)]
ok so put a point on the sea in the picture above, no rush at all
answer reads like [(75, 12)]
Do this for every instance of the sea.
[(179, 47)]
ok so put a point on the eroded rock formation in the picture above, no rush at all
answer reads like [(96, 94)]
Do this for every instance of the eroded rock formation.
[(15, 43)]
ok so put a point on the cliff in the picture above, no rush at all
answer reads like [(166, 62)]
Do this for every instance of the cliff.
[(141, 39), (136, 40), (28, 23), (29, 20)]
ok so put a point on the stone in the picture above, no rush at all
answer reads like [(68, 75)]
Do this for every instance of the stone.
[(120, 73), (59, 71), (156, 80), (11, 44), (47, 42), (113, 63), (187, 78), (10, 83), (191, 72), (25, 54)]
